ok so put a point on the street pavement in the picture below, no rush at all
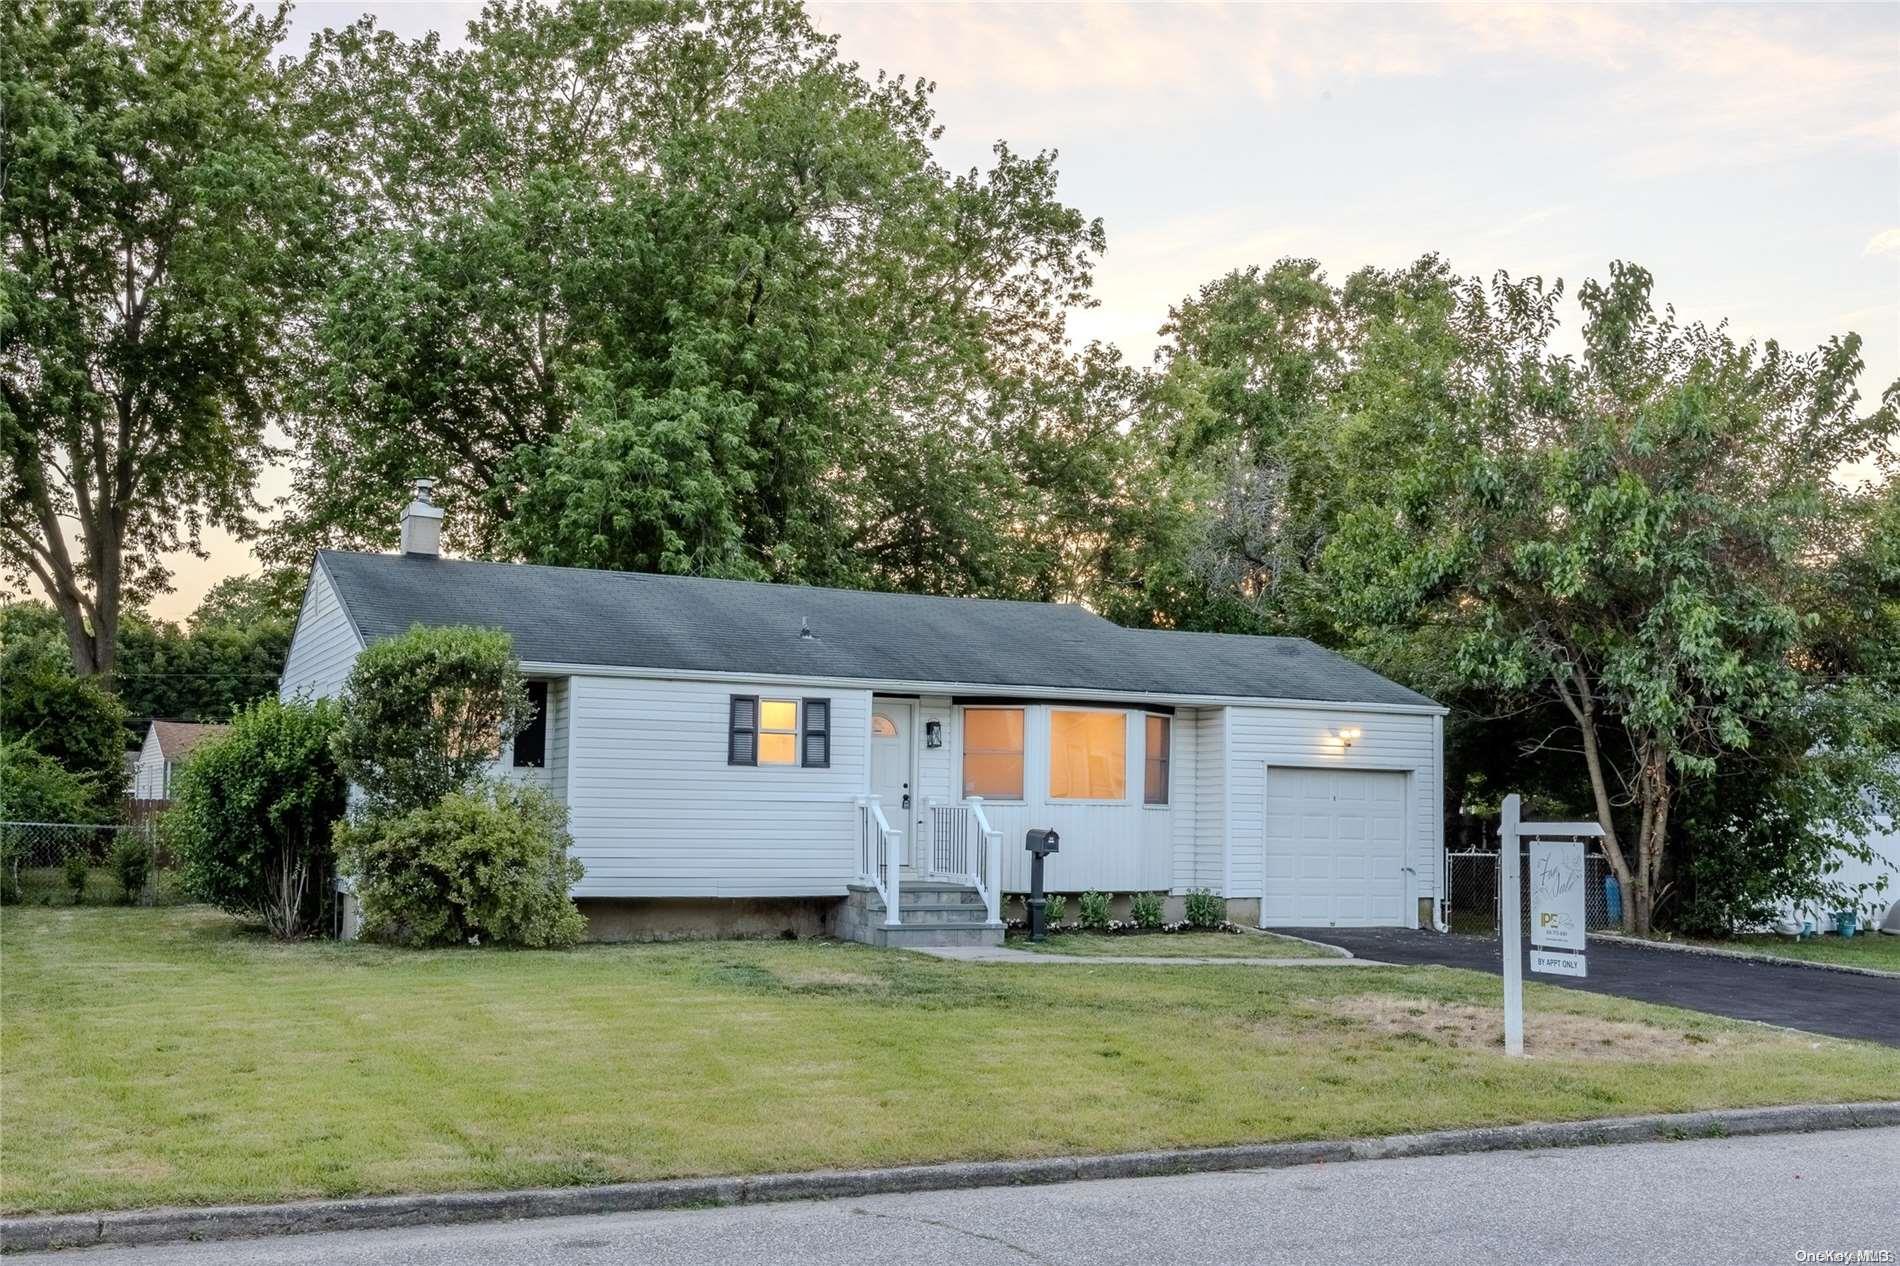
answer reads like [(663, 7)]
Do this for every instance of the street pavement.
[(1840, 1004), (1764, 1199)]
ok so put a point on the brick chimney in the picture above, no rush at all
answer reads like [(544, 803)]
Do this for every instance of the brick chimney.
[(422, 523)]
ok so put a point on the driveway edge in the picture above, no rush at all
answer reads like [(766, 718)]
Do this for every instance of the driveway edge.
[(230, 1222), (1746, 956)]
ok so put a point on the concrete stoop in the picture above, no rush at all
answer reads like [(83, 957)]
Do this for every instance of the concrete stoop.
[(931, 914)]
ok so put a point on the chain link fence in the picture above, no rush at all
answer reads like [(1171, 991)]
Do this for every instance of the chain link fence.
[(63, 864), (1471, 879)]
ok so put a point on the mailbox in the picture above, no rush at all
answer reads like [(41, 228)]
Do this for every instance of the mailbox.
[(1044, 841)]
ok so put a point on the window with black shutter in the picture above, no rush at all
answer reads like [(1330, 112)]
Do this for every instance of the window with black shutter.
[(531, 741), (817, 744), (742, 731)]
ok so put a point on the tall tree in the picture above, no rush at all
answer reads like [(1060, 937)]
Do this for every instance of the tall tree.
[(671, 287), (159, 222), (1634, 534)]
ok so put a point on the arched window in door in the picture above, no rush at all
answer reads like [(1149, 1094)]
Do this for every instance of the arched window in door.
[(882, 726)]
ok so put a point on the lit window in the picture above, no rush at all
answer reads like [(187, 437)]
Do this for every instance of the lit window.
[(993, 753), (778, 731), (1088, 756), (882, 726), (1160, 737)]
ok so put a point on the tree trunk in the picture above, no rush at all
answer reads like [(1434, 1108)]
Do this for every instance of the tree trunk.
[(1581, 701), (1653, 796)]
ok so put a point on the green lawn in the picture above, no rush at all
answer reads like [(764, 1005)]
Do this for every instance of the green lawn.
[(152, 1056), (1866, 949), (1174, 945)]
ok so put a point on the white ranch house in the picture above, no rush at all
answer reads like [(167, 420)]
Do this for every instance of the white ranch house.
[(752, 757)]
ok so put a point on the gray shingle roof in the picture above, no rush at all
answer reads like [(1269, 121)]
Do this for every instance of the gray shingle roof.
[(633, 620)]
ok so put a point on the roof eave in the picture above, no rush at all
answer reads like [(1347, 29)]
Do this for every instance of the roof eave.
[(548, 668)]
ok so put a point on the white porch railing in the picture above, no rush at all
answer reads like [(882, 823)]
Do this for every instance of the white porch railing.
[(880, 855), (964, 848)]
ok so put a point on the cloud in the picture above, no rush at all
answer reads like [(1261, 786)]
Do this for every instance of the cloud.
[(1673, 87), (1885, 242)]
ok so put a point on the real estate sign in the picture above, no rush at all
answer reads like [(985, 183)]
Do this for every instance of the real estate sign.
[(1557, 920)]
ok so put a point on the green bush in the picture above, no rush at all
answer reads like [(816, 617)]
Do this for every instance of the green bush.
[(35, 787), (1144, 908), (254, 811), (483, 866), (1205, 910), (1094, 911), (1055, 907), (132, 865), (76, 868), (426, 712)]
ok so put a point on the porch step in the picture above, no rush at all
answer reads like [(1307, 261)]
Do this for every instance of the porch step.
[(913, 935), (931, 913)]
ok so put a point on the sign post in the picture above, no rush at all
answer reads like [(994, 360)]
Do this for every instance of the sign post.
[(1557, 918), (1510, 895)]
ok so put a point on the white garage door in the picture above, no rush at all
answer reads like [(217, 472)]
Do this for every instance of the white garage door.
[(1335, 848)]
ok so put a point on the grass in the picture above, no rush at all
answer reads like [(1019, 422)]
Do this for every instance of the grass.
[(1174, 945), (154, 1056), (1866, 949)]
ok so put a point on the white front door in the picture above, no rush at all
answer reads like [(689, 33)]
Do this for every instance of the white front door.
[(1335, 848), (892, 745)]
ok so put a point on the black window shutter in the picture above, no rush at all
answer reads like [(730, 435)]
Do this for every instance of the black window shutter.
[(742, 731), (531, 743), (817, 744)]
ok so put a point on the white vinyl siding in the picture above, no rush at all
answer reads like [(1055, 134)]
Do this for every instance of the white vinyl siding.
[(1261, 738), (151, 781), (1201, 864), (657, 812), (324, 645), (936, 766)]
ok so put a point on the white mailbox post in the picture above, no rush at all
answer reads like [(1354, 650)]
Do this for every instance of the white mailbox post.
[(1557, 926)]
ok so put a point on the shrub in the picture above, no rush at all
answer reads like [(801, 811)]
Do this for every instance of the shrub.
[(34, 787), (253, 815), (76, 867), (76, 723), (484, 865), (1205, 910), (1055, 906), (426, 712), (132, 865), (1144, 909), (1094, 911)]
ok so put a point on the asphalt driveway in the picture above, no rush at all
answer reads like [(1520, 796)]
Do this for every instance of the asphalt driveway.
[(1841, 1004)]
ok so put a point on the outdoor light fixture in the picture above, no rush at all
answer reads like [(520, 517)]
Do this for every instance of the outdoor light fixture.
[(1346, 734), (933, 734)]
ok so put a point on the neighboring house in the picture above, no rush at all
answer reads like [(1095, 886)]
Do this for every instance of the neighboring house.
[(740, 756), (166, 745), (1879, 902)]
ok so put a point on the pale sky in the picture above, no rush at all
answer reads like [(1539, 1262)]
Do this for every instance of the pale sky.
[(1747, 156)]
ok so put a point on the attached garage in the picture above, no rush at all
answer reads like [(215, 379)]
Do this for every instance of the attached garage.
[(1335, 847)]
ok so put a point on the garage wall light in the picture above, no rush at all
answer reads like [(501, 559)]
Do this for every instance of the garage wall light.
[(1347, 735)]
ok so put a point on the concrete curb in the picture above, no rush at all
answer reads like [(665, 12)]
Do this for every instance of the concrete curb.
[(230, 1222), (1747, 956)]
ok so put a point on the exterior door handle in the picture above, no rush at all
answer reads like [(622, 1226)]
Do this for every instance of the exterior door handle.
[(907, 799)]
